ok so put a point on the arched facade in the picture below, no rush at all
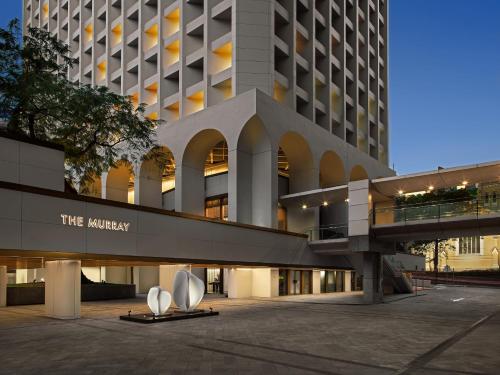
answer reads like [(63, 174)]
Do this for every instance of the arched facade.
[(120, 183), (255, 176), (190, 177), (302, 172), (156, 176), (92, 188), (358, 173), (331, 170), (302, 176)]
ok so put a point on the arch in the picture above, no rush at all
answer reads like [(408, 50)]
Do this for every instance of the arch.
[(297, 165), (156, 176), (331, 170), (120, 182), (300, 162), (190, 179), (92, 187), (254, 175), (358, 173)]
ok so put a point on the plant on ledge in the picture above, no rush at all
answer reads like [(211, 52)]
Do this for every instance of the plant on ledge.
[(438, 196), (95, 126)]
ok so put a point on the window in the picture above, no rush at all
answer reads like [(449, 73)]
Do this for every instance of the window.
[(216, 208), (469, 245)]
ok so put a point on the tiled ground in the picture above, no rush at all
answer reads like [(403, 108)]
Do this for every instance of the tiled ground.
[(327, 334)]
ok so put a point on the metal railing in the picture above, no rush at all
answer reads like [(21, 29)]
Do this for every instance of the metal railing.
[(327, 232), (449, 209)]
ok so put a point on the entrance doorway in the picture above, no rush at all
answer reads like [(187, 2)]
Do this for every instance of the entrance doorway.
[(214, 280), (293, 282)]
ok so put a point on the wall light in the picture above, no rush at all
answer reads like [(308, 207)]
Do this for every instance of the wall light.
[(325, 203), (465, 182), (304, 206), (431, 188), (400, 192), (347, 200)]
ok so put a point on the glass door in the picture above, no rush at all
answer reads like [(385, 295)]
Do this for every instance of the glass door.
[(283, 282)]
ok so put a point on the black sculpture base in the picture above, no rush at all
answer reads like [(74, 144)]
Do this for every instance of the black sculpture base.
[(176, 315)]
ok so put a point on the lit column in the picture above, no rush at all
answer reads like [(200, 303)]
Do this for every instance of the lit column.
[(3, 286), (316, 281), (347, 281), (372, 277), (62, 289), (239, 283)]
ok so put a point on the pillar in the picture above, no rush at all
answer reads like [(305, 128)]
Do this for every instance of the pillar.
[(167, 274), (239, 283), (316, 281), (62, 289), (372, 277), (253, 282), (347, 281), (3, 286)]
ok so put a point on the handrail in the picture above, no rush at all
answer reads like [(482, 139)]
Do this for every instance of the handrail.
[(327, 232), (471, 207)]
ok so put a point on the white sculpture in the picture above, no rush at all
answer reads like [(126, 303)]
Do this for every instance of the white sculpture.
[(188, 290), (159, 300)]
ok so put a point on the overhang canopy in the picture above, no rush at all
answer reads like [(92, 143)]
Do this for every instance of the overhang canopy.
[(441, 178), (315, 198)]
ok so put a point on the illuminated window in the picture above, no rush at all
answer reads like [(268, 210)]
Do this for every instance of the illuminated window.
[(223, 57), (172, 53), (469, 245), (134, 98), (117, 34), (217, 159), (89, 33), (195, 102), (151, 37), (173, 111), (151, 94), (45, 10), (217, 208), (172, 24), (101, 71)]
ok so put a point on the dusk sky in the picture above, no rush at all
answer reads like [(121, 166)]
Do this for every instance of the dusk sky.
[(444, 81)]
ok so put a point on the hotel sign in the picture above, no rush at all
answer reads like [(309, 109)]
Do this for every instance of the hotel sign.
[(96, 223)]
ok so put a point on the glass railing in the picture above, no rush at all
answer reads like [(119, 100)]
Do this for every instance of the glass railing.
[(434, 211), (327, 232)]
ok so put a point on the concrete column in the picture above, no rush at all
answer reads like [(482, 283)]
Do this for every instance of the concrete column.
[(63, 289), (3, 286), (252, 186), (239, 283), (347, 281), (104, 179), (358, 214), (167, 274), (372, 278), (255, 282), (316, 281), (189, 189), (147, 184)]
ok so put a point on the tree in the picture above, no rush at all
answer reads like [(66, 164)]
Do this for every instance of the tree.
[(423, 247), (96, 127)]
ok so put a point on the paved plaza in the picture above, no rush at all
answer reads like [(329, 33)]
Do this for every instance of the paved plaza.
[(444, 330)]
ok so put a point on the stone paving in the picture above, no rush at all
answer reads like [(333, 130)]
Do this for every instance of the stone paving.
[(445, 330)]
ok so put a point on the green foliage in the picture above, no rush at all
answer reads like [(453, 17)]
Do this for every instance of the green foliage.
[(437, 196), (96, 127)]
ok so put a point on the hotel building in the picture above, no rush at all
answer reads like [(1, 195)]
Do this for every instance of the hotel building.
[(275, 127)]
